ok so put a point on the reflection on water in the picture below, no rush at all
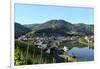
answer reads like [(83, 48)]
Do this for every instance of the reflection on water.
[(82, 54)]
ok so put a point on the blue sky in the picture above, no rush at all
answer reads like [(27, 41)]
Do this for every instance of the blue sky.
[(33, 14)]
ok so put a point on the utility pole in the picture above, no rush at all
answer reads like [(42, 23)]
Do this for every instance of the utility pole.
[(27, 50), (41, 56)]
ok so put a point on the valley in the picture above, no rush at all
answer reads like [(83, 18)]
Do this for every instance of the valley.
[(52, 41)]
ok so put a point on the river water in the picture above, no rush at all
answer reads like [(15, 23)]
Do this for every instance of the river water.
[(82, 54)]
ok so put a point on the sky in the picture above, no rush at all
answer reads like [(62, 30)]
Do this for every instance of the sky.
[(36, 14)]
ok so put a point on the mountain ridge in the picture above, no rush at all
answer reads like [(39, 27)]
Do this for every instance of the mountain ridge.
[(60, 28)]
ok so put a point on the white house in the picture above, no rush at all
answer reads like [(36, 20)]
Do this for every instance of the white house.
[(65, 48), (48, 51), (43, 46)]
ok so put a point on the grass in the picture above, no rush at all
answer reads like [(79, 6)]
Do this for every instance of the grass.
[(34, 54)]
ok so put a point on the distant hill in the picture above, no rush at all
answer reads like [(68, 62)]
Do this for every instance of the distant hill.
[(31, 25), (54, 28), (20, 30), (60, 28), (85, 29)]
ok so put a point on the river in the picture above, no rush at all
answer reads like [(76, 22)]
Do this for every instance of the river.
[(82, 54)]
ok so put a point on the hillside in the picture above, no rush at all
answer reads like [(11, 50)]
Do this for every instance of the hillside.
[(31, 25), (85, 29), (20, 30), (60, 28)]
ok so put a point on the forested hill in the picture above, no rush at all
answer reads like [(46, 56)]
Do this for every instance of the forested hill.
[(20, 30), (55, 28)]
